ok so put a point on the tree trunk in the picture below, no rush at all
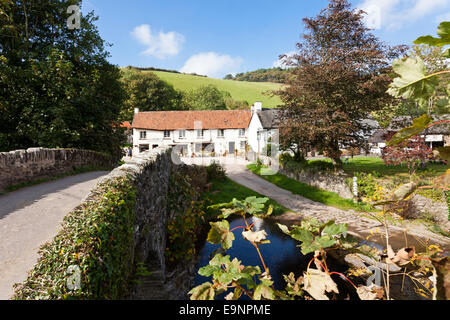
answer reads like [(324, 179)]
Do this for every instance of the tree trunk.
[(337, 162)]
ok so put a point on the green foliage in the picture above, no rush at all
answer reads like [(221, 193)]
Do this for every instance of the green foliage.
[(148, 93), (315, 236), (277, 75), (231, 274), (220, 234), (250, 206), (97, 237), (183, 234), (413, 81), (239, 90), (186, 215), (405, 134), (367, 184), (223, 191), (444, 38), (226, 274), (443, 153), (310, 192), (215, 171), (57, 88), (205, 98), (290, 164)]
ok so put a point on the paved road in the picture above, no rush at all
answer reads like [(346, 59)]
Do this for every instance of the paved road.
[(32, 216), (358, 225)]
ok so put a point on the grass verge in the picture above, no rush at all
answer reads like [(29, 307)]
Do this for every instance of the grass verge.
[(223, 191), (326, 197)]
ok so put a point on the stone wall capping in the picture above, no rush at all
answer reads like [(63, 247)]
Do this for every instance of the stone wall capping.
[(22, 165)]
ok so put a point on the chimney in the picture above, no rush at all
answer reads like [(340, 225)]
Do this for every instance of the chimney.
[(257, 106), (136, 110)]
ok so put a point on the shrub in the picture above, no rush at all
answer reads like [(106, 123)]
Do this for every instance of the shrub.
[(367, 185), (183, 234), (97, 238), (186, 216), (215, 171)]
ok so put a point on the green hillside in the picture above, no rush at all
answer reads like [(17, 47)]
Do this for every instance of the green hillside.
[(239, 90)]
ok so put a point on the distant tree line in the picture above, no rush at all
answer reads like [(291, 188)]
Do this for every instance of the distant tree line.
[(277, 75), (162, 70)]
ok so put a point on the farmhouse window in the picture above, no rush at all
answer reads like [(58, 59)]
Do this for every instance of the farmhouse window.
[(200, 133)]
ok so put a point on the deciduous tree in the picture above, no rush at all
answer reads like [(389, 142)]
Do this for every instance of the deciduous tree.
[(57, 88), (340, 77)]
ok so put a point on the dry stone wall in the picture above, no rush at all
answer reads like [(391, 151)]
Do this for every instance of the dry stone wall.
[(329, 181), (26, 165), (151, 173)]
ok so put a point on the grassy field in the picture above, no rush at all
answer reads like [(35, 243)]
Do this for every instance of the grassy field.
[(224, 192), (326, 197), (370, 164), (239, 90)]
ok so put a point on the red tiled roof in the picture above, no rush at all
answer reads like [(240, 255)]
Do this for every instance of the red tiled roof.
[(174, 120)]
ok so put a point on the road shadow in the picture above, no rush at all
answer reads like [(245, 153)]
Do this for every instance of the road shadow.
[(24, 197)]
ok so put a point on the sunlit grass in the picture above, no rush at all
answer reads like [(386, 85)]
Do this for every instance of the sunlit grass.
[(326, 197)]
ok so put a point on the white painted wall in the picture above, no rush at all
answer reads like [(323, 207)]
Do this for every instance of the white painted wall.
[(264, 134), (210, 136), (253, 128)]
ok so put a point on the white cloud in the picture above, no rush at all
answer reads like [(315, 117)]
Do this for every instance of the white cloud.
[(212, 64), (161, 45), (394, 14)]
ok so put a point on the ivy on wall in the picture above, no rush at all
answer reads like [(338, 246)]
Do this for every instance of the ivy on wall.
[(97, 241)]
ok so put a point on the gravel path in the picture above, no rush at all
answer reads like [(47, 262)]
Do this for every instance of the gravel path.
[(32, 216)]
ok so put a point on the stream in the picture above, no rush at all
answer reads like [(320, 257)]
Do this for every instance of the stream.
[(282, 256)]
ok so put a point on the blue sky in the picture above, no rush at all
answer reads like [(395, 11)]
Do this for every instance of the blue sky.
[(217, 37)]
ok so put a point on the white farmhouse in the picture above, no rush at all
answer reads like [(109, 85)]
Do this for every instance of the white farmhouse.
[(192, 133), (263, 126)]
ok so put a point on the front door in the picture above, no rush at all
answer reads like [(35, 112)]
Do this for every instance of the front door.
[(231, 148)]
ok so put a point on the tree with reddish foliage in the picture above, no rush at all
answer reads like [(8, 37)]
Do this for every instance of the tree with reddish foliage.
[(340, 76), (412, 153)]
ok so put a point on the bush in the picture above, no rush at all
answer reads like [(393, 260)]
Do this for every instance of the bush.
[(367, 185), (187, 217), (215, 171), (97, 238)]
